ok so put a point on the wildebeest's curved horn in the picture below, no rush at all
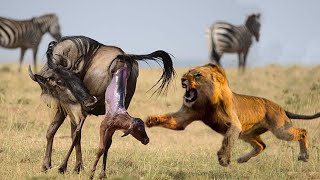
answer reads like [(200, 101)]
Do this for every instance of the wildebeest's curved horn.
[(51, 64), (31, 74), (89, 104)]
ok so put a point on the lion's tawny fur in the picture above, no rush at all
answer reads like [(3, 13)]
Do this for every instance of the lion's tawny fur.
[(230, 114)]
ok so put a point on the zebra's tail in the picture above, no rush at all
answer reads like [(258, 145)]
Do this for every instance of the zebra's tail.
[(213, 55)]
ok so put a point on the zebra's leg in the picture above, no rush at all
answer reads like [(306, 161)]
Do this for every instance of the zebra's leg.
[(240, 61), (214, 57), (35, 51), (52, 129), (217, 60), (245, 54), (23, 50)]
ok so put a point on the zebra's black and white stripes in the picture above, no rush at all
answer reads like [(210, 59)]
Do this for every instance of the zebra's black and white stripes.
[(227, 38), (27, 34)]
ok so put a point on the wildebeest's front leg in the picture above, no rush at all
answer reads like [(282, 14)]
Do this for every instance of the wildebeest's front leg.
[(75, 139), (79, 163), (176, 121), (232, 134), (106, 134), (52, 129)]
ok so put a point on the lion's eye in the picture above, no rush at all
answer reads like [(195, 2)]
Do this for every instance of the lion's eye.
[(198, 75)]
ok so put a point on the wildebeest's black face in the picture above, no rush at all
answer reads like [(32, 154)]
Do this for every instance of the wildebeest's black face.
[(64, 86)]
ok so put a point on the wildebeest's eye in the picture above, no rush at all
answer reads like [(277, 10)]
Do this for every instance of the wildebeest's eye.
[(60, 82)]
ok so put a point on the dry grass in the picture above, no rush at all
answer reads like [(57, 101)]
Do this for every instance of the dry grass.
[(189, 154)]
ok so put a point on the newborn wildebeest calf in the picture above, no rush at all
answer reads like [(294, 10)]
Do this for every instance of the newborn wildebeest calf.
[(89, 66)]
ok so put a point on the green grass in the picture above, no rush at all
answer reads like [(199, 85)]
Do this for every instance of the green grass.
[(189, 154)]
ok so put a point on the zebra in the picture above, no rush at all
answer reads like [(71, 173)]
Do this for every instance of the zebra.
[(26, 34), (224, 37)]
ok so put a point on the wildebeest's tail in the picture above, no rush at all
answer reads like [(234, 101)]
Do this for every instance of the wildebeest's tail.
[(159, 56), (298, 116)]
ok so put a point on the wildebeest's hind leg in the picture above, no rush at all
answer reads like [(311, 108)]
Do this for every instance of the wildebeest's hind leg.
[(76, 136), (79, 164), (258, 147), (132, 81), (52, 129)]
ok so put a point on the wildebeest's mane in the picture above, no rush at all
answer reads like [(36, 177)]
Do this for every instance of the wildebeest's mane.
[(86, 47)]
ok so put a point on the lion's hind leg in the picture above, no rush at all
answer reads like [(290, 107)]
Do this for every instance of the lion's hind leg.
[(258, 146), (296, 134)]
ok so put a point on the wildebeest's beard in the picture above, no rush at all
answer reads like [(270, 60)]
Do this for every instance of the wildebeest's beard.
[(115, 106)]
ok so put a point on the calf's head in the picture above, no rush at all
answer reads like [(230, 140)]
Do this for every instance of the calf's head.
[(137, 130)]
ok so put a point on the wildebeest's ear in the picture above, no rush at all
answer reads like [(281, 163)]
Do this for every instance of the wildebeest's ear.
[(40, 79)]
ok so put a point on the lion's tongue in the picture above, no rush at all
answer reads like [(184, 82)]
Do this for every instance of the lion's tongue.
[(190, 95), (116, 91)]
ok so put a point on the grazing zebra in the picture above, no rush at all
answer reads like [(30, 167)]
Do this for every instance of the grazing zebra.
[(28, 33), (224, 37)]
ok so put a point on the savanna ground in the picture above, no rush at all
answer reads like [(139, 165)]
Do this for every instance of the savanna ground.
[(189, 154)]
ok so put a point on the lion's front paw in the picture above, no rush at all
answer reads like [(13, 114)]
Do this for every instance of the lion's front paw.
[(152, 121), (223, 158), (242, 160), (303, 157)]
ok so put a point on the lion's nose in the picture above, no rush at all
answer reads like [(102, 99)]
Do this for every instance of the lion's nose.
[(184, 82)]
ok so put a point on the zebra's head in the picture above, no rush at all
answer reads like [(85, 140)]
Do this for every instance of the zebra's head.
[(54, 28), (49, 23), (253, 24)]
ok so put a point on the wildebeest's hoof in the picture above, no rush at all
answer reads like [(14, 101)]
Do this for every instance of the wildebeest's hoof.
[(78, 168), (45, 167), (303, 157), (152, 121), (102, 175), (62, 169)]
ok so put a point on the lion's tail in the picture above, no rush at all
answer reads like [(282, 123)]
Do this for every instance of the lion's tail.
[(298, 116)]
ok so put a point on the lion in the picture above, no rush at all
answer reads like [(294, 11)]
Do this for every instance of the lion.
[(208, 98)]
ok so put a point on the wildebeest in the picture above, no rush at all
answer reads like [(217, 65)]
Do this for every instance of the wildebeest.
[(92, 63), (67, 87)]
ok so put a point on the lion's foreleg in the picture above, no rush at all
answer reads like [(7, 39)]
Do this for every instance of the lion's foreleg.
[(176, 121), (224, 154)]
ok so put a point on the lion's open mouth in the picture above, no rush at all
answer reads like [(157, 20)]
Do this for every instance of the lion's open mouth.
[(190, 95)]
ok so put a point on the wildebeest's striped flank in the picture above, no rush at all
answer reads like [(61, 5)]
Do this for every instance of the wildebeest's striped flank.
[(224, 37), (26, 34)]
